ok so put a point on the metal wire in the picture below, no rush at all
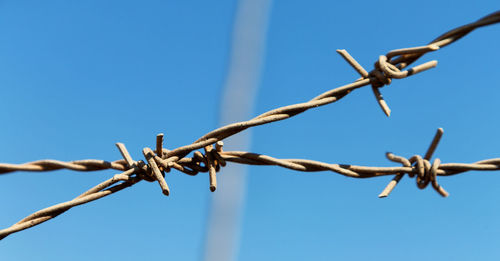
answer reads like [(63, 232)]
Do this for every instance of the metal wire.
[(212, 159)]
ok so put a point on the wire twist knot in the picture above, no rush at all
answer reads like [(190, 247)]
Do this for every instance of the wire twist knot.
[(421, 167), (379, 77), (387, 68), (426, 173)]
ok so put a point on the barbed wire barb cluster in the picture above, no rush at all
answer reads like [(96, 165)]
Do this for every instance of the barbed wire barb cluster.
[(407, 163), (213, 158)]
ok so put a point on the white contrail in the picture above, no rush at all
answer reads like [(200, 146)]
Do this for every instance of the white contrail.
[(243, 78)]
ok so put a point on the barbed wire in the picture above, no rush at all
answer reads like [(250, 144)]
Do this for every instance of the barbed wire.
[(213, 157)]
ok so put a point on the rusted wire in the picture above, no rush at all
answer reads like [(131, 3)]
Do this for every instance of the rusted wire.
[(78, 165), (161, 160)]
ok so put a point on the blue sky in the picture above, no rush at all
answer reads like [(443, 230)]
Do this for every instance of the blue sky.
[(78, 76)]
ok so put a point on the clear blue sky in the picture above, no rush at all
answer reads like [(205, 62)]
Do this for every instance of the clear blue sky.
[(78, 76)]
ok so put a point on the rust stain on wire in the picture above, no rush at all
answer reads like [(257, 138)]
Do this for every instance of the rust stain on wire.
[(390, 66)]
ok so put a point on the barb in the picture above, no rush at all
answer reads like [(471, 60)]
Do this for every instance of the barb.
[(407, 163), (386, 68)]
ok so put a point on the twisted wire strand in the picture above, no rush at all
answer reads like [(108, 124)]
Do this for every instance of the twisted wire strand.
[(161, 160), (388, 68), (106, 188), (450, 37), (78, 165), (355, 171)]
